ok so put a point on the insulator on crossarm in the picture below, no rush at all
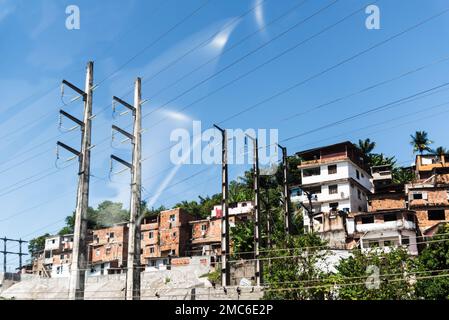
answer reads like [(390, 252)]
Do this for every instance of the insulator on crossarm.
[(113, 109)]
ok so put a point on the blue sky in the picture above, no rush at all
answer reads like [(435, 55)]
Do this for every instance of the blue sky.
[(130, 39)]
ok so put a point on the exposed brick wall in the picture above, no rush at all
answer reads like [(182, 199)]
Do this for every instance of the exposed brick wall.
[(435, 197), (174, 234), (109, 249), (387, 202), (212, 232), (423, 220)]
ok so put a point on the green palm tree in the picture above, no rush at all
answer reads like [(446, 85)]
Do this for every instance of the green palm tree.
[(366, 146), (440, 151), (421, 142)]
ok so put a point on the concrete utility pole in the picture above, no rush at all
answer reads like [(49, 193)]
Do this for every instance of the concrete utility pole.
[(133, 262), (286, 190), (79, 253), (256, 211), (5, 252), (225, 269)]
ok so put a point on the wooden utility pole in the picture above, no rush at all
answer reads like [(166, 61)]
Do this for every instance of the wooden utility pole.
[(79, 253), (256, 211), (5, 252), (286, 190), (225, 269), (133, 262)]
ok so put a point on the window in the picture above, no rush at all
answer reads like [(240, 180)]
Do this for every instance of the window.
[(174, 234), (97, 252), (390, 217), (61, 257), (152, 263), (111, 235), (151, 249), (333, 189), (388, 243), (203, 227), (333, 206), (108, 250), (357, 174), (405, 240), (314, 190), (172, 218), (311, 172), (332, 169), (363, 176), (410, 217), (368, 219), (150, 235), (244, 204), (417, 196), (373, 244), (436, 214), (359, 194), (53, 241)]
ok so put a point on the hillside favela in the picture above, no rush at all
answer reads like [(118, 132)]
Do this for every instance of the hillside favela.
[(214, 158)]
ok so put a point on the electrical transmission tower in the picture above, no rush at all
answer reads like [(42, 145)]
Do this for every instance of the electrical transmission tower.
[(79, 252), (133, 263), (6, 252)]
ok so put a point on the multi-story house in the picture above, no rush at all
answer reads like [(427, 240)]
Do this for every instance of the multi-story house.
[(206, 237), (174, 232), (334, 178), (388, 222), (108, 250), (429, 197), (58, 255), (151, 254), (206, 233), (425, 164)]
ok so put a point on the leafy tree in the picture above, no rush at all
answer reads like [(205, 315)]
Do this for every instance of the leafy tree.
[(109, 213), (37, 244), (440, 151), (403, 175), (379, 159), (242, 239), (420, 142), (153, 212), (200, 209), (375, 275), (366, 146), (432, 261), (295, 272)]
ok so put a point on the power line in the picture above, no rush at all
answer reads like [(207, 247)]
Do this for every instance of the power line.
[(235, 62), (151, 44)]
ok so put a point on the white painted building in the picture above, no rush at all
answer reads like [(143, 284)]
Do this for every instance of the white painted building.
[(58, 255), (238, 208), (336, 177), (385, 230)]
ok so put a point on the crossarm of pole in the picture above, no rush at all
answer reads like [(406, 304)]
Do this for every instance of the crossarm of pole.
[(124, 103), (75, 88), (121, 161), (72, 118), (128, 135)]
